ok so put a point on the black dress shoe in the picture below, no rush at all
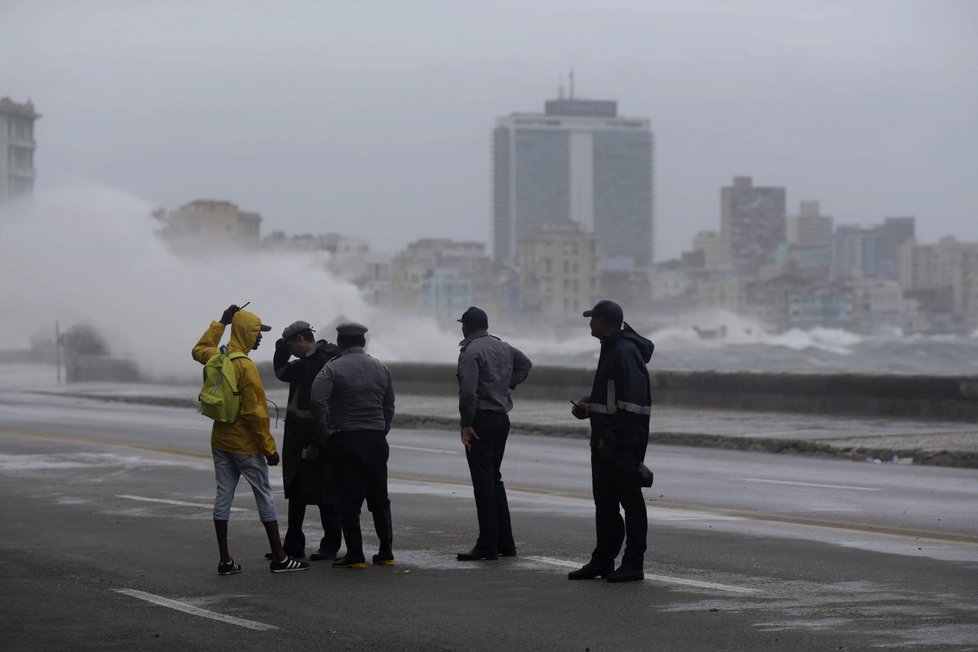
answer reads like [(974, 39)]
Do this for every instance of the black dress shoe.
[(625, 574), (507, 552), (589, 571), (348, 561), (477, 555), (323, 555)]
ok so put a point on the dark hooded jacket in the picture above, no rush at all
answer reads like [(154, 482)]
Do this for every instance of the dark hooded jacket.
[(303, 479), (621, 397)]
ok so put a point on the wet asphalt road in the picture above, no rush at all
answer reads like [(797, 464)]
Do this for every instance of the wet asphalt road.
[(107, 517)]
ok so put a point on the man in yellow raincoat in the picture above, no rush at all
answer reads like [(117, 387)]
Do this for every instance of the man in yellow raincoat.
[(244, 447)]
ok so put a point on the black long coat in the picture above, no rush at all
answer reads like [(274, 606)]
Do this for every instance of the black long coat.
[(305, 480)]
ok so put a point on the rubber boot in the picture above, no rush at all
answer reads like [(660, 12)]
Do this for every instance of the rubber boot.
[(354, 544)]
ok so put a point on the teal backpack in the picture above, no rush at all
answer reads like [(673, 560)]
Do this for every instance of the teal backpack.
[(219, 396)]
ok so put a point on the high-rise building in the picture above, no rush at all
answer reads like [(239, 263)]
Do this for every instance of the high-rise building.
[(580, 162), (17, 147), (752, 223), (893, 233), (809, 228), (855, 252)]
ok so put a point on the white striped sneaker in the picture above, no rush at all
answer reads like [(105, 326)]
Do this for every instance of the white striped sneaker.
[(228, 568), (288, 565)]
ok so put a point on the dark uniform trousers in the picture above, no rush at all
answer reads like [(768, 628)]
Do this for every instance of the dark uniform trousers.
[(485, 459), (612, 487), (295, 539), (360, 470)]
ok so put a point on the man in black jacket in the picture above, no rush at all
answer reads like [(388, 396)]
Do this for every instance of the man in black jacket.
[(305, 468), (619, 408)]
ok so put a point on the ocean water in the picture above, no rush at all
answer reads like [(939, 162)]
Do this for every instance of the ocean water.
[(743, 344)]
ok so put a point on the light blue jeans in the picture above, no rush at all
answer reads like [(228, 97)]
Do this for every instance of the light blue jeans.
[(228, 469)]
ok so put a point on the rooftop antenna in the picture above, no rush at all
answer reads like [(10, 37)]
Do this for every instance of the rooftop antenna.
[(572, 83)]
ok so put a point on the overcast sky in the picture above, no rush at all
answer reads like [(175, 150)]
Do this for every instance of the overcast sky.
[(373, 118)]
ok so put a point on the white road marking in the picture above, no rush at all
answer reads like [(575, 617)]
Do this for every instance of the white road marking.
[(425, 450), (812, 484), (195, 611), (658, 578), (173, 502)]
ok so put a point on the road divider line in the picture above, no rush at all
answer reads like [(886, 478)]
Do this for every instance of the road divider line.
[(166, 501), (666, 579), (425, 450), (195, 611), (811, 484)]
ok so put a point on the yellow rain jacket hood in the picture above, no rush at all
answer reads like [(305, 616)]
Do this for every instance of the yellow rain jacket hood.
[(250, 433)]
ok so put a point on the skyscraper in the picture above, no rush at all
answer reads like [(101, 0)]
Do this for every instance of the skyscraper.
[(16, 149), (752, 223), (576, 162)]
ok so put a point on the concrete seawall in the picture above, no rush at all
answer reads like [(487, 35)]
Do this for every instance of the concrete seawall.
[(949, 398)]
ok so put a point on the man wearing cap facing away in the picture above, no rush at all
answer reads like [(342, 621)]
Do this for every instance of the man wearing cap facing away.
[(488, 369), (306, 473), (353, 405), (244, 447), (619, 407)]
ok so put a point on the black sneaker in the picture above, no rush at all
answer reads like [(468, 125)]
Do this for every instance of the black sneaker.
[(288, 565), (385, 558), (228, 568), (590, 571), (625, 574), (294, 555)]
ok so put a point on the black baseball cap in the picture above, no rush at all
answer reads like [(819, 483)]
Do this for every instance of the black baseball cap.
[(295, 328), (475, 317), (606, 310)]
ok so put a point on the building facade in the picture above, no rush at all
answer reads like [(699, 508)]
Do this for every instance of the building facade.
[(204, 222), (17, 146), (578, 162), (809, 228), (752, 223), (560, 273)]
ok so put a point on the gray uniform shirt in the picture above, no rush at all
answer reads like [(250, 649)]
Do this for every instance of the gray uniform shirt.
[(487, 369), (353, 392)]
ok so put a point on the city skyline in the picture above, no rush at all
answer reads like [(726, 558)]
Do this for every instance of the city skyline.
[(370, 114)]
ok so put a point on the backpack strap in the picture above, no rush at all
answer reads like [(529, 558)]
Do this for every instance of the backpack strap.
[(237, 355)]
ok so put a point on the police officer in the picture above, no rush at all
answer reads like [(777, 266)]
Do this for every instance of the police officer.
[(488, 369), (353, 405), (619, 407), (305, 467)]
